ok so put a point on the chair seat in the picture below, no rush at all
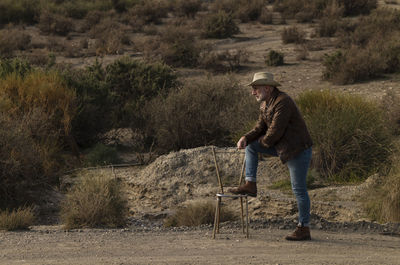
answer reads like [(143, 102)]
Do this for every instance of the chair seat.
[(232, 195)]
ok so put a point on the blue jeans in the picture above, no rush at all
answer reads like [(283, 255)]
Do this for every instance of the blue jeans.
[(298, 168)]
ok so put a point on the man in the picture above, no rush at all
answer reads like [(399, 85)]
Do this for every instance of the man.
[(280, 131)]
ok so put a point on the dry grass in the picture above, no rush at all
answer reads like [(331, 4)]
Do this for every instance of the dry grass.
[(96, 200), (197, 213), (19, 219), (352, 139)]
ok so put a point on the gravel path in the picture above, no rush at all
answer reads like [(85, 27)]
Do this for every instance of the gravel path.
[(52, 245)]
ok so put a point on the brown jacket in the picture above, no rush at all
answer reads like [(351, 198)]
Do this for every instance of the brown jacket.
[(281, 126)]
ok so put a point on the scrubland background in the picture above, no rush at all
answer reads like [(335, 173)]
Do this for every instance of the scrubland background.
[(99, 82)]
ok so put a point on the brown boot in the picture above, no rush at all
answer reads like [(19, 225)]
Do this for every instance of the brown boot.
[(301, 233), (249, 188)]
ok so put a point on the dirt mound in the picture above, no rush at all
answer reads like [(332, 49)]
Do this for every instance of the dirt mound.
[(189, 175)]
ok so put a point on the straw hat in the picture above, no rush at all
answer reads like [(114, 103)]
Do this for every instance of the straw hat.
[(263, 78)]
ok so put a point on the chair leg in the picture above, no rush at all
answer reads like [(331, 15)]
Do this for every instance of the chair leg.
[(241, 216), (247, 218), (216, 218), (219, 213)]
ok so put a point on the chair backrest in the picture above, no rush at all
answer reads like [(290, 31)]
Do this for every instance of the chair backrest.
[(218, 174)]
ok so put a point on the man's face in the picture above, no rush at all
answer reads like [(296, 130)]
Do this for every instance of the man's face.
[(260, 92)]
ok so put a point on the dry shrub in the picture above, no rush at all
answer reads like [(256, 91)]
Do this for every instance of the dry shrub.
[(219, 25), (310, 9), (188, 8), (28, 155), (218, 105), (176, 46), (13, 39), (51, 23), (360, 64), (274, 58), (249, 10), (327, 27), (226, 61), (302, 52), (293, 35), (381, 199), (245, 10), (266, 16), (357, 7), (391, 106), (39, 90), (92, 19), (197, 213), (110, 37), (19, 11), (352, 139), (96, 200), (151, 11), (19, 219)]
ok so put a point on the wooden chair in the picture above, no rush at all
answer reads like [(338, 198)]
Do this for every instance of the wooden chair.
[(221, 195)]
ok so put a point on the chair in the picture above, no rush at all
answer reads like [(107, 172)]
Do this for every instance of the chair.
[(221, 195)]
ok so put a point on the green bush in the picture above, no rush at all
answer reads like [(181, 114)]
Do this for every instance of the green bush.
[(352, 139), (131, 84), (94, 103), (274, 58), (101, 155), (19, 219), (96, 200), (293, 35), (220, 25), (218, 105), (15, 66), (196, 214)]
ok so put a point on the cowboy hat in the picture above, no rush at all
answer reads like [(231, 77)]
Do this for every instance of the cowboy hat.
[(263, 78)]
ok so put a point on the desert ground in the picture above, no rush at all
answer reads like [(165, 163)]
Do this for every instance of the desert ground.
[(51, 245)]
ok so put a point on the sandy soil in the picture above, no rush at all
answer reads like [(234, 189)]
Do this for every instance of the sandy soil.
[(51, 245)]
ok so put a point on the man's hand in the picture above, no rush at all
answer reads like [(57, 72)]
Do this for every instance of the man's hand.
[(241, 144)]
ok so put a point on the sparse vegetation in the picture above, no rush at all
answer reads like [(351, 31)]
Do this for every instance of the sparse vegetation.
[(219, 25), (101, 155), (352, 139), (218, 106), (274, 58), (197, 213), (18, 219), (293, 35), (96, 200)]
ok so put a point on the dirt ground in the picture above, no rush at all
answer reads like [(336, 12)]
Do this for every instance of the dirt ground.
[(51, 245)]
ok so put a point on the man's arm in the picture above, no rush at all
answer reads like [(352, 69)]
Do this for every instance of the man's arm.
[(257, 131)]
